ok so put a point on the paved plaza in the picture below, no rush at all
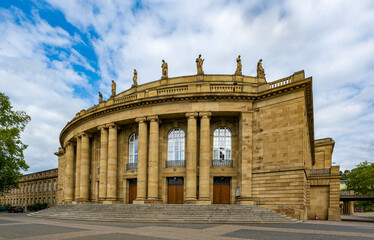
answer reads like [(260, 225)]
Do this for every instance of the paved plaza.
[(19, 226)]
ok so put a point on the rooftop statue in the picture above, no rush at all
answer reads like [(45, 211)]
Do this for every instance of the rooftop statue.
[(164, 68), (100, 97), (260, 70), (135, 79), (113, 89), (238, 66), (199, 64)]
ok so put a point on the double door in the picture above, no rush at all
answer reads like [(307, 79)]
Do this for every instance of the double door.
[(221, 190), (175, 190)]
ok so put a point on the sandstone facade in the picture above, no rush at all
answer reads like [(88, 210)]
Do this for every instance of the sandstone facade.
[(202, 139), (39, 187)]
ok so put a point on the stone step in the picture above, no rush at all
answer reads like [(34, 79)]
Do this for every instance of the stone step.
[(165, 213)]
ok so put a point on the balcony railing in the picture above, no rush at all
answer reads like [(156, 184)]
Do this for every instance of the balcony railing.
[(175, 163), (222, 163), (131, 166), (325, 171)]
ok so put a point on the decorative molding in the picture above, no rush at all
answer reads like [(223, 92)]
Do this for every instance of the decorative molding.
[(305, 84), (140, 119), (153, 118), (192, 114), (205, 114)]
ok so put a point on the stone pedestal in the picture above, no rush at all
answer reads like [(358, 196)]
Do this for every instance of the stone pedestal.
[(153, 160), (112, 164), (142, 161), (103, 162), (205, 160), (191, 158)]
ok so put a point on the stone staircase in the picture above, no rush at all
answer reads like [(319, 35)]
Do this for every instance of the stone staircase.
[(164, 213)]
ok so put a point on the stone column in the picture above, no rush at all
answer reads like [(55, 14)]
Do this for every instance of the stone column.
[(191, 158), (60, 177), (245, 155), (77, 168), (153, 160), (85, 168), (142, 161), (103, 161), (69, 173), (205, 159), (112, 164)]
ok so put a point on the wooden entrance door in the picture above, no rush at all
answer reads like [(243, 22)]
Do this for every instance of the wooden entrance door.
[(221, 190), (175, 190), (132, 190)]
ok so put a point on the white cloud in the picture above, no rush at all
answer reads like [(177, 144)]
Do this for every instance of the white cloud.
[(42, 88), (331, 40)]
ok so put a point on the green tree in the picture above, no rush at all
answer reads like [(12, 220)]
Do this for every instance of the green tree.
[(12, 161), (361, 179)]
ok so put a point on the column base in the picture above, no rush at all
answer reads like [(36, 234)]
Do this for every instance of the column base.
[(111, 202), (203, 202), (68, 201), (190, 201), (138, 201), (152, 201)]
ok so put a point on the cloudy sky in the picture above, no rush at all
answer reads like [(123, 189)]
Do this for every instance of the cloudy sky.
[(56, 55)]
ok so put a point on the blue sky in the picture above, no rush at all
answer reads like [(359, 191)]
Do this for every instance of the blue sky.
[(56, 55)]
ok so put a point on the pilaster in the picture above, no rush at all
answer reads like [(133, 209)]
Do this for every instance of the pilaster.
[(245, 152)]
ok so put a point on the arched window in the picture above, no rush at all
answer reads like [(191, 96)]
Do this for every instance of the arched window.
[(222, 144), (176, 145), (133, 148)]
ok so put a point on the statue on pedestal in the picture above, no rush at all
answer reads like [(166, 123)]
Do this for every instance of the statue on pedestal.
[(100, 97), (135, 79), (238, 66), (260, 70), (113, 89), (164, 68), (199, 64)]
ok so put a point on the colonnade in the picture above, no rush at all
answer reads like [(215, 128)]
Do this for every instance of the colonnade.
[(148, 162)]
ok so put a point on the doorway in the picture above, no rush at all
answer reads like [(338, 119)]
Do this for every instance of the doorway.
[(175, 190), (221, 190), (132, 189)]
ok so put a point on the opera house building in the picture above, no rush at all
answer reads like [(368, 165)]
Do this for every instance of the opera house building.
[(202, 139)]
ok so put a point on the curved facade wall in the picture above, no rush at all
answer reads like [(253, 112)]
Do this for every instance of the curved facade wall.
[(202, 139)]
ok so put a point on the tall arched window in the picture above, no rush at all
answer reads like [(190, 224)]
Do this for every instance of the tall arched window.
[(133, 148), (176, 145), (222, 144)]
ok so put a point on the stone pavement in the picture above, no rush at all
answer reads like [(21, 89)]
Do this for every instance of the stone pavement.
[(19, 226)]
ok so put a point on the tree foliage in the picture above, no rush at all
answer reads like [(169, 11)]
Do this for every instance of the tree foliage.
[(361, 179), (12, 124)]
